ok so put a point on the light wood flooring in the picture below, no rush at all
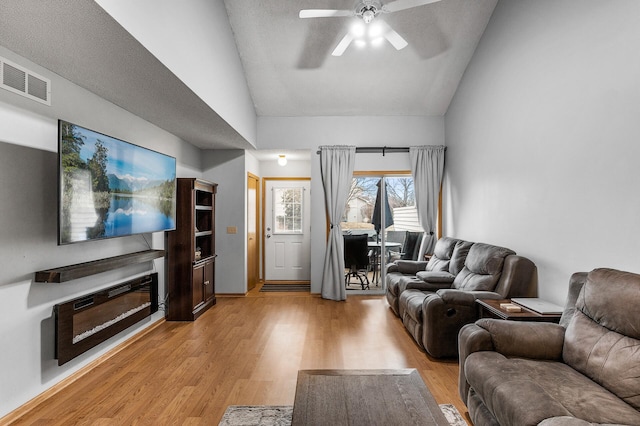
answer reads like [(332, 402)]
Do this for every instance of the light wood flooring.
[(243, 351)]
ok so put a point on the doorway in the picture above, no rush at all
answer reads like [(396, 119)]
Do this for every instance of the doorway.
[(380, 205), (287, 230), (253, 215)]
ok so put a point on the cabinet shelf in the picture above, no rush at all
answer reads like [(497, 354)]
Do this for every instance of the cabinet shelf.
[(191, 251), (80, 270), (204, 259)]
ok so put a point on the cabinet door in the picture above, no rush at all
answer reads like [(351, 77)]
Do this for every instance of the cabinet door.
[(209, 287), (198, 285)]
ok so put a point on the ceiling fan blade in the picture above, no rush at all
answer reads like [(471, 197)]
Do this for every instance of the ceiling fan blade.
[(397, 5), (342, 46), (393, 37), (324, 13)]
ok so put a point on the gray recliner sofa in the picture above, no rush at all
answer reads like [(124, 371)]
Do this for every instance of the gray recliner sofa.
[(583, 371), (439, 272), (434, 317)]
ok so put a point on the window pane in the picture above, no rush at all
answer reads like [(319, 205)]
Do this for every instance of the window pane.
[(360, 202), (402, 200), (287, 204)]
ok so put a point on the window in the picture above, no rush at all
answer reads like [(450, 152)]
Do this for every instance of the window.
[(358, 215), (287, 204)]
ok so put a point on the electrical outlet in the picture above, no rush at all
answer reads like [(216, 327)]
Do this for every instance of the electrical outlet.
[(232, 230)]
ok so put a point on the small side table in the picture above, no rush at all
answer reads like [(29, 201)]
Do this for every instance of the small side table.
[(490, 308)]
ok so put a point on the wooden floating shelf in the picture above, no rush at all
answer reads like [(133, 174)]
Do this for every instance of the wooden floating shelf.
[(80, 270)]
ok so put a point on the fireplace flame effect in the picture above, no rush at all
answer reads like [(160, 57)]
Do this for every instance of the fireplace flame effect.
[(109, 323)]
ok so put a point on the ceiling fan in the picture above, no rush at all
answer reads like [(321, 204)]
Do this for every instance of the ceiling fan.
[(367, 10)]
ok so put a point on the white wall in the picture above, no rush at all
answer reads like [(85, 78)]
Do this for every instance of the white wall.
[(542, 138), (28, 230), (227, 168), (196, 43), (293, 168), (311, 132)]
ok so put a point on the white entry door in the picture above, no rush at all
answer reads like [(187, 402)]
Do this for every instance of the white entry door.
[(287, 228)]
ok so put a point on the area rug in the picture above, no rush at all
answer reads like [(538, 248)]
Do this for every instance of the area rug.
[(280, 415), (286, 287)]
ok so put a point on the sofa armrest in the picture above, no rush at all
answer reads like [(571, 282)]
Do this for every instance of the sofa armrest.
[(407, 267), (525, 339), (567, 421), (471, 338), (462, 297)]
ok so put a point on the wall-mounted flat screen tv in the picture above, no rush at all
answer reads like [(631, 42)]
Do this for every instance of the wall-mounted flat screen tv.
[(111, 188)]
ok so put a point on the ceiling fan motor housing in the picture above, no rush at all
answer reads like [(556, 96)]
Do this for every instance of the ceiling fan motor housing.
[(368, 10)]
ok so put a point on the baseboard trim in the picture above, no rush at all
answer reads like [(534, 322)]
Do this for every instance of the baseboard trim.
[(62, 384)]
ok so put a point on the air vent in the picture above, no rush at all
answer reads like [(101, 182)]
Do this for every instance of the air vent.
[(20, 80)]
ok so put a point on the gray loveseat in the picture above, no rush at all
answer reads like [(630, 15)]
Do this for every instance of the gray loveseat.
[(439, 272), (583, 371), (435, 303)]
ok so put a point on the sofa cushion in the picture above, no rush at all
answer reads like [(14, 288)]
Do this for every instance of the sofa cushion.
[(602, 339), (482, 268), (436, 276), (459, 256), (507, 385), (442, 253)]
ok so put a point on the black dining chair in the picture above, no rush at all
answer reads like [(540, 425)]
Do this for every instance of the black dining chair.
[(356, 258)]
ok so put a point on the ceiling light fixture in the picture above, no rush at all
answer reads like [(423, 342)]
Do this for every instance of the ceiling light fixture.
[(368, 15), (358, 29), (282, 160)]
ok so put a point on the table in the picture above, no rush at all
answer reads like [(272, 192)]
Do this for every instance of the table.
[(364, 397), (377, 247), (490, 308)]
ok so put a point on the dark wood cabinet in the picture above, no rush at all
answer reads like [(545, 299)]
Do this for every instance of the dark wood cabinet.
[(190, 256)]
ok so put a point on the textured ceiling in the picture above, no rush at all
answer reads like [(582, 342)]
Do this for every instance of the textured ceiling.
[(290, 70), (287, 61)]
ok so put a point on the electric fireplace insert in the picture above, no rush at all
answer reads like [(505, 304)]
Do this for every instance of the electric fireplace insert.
[(89, 320)]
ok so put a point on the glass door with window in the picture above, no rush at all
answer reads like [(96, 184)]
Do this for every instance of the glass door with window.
[(381, 208)]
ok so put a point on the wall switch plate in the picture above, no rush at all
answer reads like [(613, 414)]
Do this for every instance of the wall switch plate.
[(232, 230)]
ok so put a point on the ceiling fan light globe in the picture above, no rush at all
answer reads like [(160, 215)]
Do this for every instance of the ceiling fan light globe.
[(375, 30), (360, 44), (358, 29)]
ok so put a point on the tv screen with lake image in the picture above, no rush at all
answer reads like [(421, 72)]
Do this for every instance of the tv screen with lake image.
[(111, 188)]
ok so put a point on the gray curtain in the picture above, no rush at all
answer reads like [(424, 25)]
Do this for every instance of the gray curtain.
[(427, 168), (336, 167)]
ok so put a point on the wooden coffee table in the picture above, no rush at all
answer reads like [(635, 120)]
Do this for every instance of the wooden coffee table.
[(364, 397), (490, 308)]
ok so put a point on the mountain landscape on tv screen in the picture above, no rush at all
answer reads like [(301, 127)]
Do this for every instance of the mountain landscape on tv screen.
[(131, 184)]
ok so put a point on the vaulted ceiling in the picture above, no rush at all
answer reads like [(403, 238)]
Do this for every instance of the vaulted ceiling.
[(291, 72), (287, 61)]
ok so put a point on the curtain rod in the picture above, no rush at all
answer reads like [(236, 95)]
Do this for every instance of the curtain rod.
[(382, 149)]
